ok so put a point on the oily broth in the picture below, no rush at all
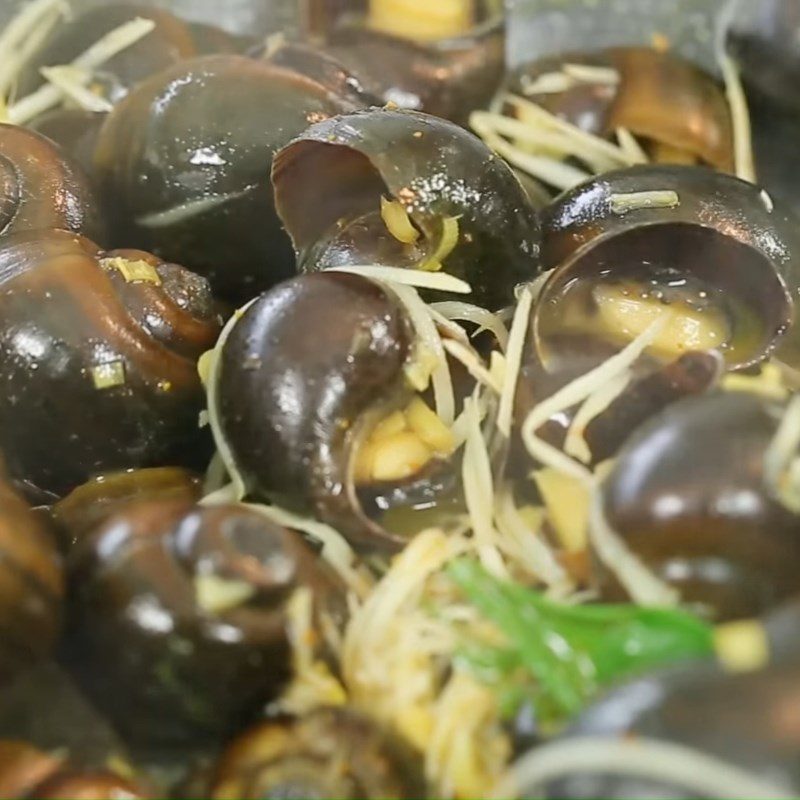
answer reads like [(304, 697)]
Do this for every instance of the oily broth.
[(616, 309)]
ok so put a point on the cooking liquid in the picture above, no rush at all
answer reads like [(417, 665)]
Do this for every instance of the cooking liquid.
[(618, 309)]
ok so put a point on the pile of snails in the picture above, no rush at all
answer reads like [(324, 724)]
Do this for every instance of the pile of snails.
[(271, 308)]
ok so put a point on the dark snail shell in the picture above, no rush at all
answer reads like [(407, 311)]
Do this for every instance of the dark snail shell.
[(660, 98), (74, 130), (296, 399), (329, 183), (747, 720), (45, 707), (27, 772), (331, 753), (688, 495), (169, 42), (185, 159), (31, 586), (448, 78), (764, 39), (98, 359), (692, 374), (712, 228), (775, 131), (320, 66), (178, 627), (653, 388), (41, 187), (86, 507), (212, 40)]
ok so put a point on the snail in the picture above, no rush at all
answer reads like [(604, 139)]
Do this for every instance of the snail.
[(676, 111), (98, 360), (172, 40), (319, 65), (444, 61), (91, 503), (41, 187), (330, 753), (404, 189), (713, 256), (763, 40), (743, 720), (185, 159), (330, 424), (691, 495), (32, 581), (179, 628)]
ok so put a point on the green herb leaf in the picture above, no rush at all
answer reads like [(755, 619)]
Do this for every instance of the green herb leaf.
[(566, 653)]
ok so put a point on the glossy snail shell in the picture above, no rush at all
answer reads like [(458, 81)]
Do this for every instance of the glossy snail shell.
[(42, 188), (179, 629), (98, 360)]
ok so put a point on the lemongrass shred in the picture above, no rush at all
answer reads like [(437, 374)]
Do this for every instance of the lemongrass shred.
[(548, 170), (216, 475), (476, 476), (644, 587), (623, 203), (547, 83), (29, 36), (447, 243), (516, 346), (536, 285), (592, 143), (575, 444), (460, 427), (71, 81), (468, 747), (576, 392), (212, 363), (370, 639), (631, 147), (471, 361), (528, 550), (519, 131), (498, 367), (104, 49), (590, 73), (482, 317), (273, 43), (312, 686), (397, 221), (740, 117), (223, 496), (699, 773), (440, 281), (443, 391), (447, 325)]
